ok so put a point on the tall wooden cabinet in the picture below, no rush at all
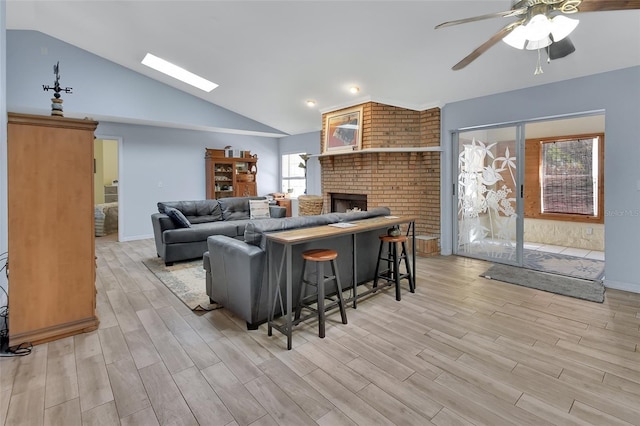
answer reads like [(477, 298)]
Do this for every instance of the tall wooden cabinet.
[(52, 292), (230, 176)]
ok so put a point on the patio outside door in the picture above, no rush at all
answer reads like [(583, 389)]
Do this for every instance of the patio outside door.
[(488, 194)]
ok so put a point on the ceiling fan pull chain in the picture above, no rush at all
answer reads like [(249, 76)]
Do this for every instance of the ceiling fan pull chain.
[(548, 57), (538, 70)]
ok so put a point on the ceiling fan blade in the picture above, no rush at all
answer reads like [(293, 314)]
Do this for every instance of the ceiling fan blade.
[(605, 5), (505, 14), (486, 45), (560, 49)]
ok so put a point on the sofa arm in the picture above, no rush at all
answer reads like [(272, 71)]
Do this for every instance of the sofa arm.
[(277, 211), (238, 278), (160, 222)]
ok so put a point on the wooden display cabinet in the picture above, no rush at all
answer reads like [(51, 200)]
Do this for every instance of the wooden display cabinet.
[(230, 176), (51, 228)]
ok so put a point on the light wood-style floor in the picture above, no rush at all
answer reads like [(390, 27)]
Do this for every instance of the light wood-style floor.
[(463, 350)]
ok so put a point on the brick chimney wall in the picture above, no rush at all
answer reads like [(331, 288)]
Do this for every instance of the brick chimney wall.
[(406, 182)]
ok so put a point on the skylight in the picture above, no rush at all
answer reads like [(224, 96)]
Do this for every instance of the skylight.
[(177, 72)]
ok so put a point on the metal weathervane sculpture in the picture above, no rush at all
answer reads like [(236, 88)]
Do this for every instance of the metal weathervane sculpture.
[(56, 101)]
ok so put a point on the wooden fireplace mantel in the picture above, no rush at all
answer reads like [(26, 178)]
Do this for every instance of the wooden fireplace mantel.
[(379, 150)]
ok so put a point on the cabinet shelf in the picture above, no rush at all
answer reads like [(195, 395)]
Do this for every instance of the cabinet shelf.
[(232, 172)]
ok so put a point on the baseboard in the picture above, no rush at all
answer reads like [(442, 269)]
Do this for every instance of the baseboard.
[(618, 285), (136, 237)]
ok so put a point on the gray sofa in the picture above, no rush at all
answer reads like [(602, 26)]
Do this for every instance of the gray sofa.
[(226, 216), (236, 272)]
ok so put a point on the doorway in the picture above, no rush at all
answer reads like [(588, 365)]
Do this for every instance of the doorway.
[(498, 190), (106, 187)]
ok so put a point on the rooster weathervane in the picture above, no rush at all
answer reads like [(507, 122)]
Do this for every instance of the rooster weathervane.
[(56, 106)]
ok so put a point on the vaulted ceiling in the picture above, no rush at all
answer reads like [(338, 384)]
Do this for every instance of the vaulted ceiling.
[(269, 57)]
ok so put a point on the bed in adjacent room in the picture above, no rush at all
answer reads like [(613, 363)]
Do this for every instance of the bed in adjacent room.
[(106, 219)]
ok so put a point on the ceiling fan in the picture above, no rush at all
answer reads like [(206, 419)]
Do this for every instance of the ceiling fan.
[(540, 24)]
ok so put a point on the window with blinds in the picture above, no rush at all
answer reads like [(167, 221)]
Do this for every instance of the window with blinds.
[(569, 176)]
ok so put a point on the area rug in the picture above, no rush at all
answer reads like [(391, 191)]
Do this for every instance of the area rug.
[(592, 290), (571, 266), (186, 280)]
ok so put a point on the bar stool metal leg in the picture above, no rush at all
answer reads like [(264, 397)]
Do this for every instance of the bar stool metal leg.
[(343, 312), (320, 269), (412, 283), (396, 270), (303, 290), (375, 279)]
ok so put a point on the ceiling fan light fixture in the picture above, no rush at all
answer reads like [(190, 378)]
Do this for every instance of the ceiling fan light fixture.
[(516, 38), (538, 44), (561, 26), (538, 27), (540, 32)]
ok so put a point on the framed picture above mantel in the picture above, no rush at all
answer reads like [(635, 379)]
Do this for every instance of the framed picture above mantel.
[(343, 130)]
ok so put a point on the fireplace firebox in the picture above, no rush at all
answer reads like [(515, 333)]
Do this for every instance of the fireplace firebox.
[(340, 203)]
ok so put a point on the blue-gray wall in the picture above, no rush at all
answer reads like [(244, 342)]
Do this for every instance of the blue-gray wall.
[(102, 88), (156, 163), (618, 94), (309, 143), (3, 146), (163, 164)]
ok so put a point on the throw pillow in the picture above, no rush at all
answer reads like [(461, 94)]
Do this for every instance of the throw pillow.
[(177, 217), (259, 209)]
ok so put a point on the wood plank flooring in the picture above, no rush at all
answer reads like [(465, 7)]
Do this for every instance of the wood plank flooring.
[(462, 350)]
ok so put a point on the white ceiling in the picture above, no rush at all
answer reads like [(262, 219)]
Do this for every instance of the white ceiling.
[(270, 56)]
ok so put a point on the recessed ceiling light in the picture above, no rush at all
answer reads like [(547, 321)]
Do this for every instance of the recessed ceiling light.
[(354, 89), (177, 72), (311, 103)]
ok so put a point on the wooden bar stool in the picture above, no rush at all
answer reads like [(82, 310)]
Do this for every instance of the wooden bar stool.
[(392, 274), (320, 256)]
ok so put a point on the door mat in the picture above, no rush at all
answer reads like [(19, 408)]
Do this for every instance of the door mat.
[(592, 290), (186, 280)]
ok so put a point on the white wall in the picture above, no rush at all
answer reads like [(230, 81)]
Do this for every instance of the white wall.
[(309, 143), (615, 92), (160, 164)]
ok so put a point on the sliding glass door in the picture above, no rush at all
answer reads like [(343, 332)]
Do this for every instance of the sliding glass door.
[(488, 194)]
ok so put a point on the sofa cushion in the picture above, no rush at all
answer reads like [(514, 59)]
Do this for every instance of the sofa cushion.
[(200, 232), (204, 219), (259, 209), (240, 227), (236, 208), (209, 208), (194, 208), (177, 217)]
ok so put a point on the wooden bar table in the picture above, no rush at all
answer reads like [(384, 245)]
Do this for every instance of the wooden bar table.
[(278, 267)]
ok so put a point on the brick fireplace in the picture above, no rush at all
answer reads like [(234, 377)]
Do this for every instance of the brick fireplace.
[(406, 182)]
